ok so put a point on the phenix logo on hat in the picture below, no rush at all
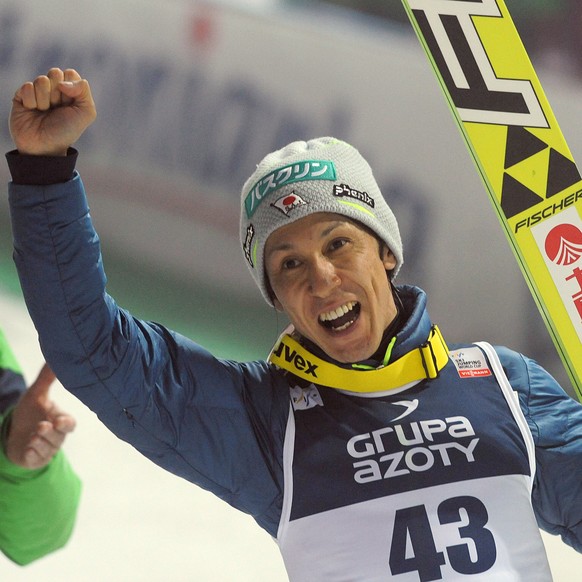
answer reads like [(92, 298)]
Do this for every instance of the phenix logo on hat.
[(305, 177)]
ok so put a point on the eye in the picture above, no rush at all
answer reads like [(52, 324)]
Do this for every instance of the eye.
[(289, 264), (337, 243)]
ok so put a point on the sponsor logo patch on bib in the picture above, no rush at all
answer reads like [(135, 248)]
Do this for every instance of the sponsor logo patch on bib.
[(470, 362), (305, 398)]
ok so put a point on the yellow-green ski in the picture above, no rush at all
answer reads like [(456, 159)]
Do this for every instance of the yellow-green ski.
[(520, 152)]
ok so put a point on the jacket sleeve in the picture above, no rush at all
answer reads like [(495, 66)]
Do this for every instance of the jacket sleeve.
[(183, 408), (37, 507), (555, 420)]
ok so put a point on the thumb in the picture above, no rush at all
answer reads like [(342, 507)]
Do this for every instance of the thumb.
[(40, 387)]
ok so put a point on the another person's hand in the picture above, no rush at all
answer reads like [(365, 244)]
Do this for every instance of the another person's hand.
[(38, 427), (51, 113)]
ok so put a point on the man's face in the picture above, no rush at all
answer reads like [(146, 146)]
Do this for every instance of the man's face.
[(330, 279)]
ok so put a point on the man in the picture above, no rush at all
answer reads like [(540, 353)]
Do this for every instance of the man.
[(39, 492), (363, 445)]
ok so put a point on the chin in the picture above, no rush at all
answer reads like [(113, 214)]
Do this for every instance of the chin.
[(349, 356), (348, 351)]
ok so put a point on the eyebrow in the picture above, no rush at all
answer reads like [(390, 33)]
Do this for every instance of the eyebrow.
[(284, 246)]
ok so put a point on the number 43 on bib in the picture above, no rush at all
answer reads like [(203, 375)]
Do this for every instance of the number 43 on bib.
[(519, 150)]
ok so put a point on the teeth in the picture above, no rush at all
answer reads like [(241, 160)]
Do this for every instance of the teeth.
[(342, 310), (344, 326)]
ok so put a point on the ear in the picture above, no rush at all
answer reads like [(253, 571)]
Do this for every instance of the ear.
[(388, 259), (277, 304)]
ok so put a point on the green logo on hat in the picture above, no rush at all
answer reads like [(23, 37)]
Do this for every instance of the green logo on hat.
[(297, 172)]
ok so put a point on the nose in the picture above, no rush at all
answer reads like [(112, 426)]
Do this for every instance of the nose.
[(323, 277)]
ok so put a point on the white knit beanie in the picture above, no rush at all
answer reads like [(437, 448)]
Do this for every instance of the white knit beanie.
[(320, 175)]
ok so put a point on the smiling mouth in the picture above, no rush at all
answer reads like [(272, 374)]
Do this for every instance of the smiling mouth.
[(342, 317)]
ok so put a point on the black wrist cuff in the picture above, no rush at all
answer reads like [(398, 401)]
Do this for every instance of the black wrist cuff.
[(41, 170)]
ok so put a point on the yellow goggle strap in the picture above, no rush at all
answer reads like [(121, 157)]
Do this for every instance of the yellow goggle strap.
[(424, 362)]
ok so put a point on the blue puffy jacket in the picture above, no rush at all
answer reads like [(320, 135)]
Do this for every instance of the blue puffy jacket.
[(221, 424)]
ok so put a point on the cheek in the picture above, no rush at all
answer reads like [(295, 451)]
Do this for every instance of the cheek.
[(282, 296), (293, 306), (286, 285), (379, 284)]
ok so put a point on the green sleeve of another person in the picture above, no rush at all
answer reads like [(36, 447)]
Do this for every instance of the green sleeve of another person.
[(37, 507)]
